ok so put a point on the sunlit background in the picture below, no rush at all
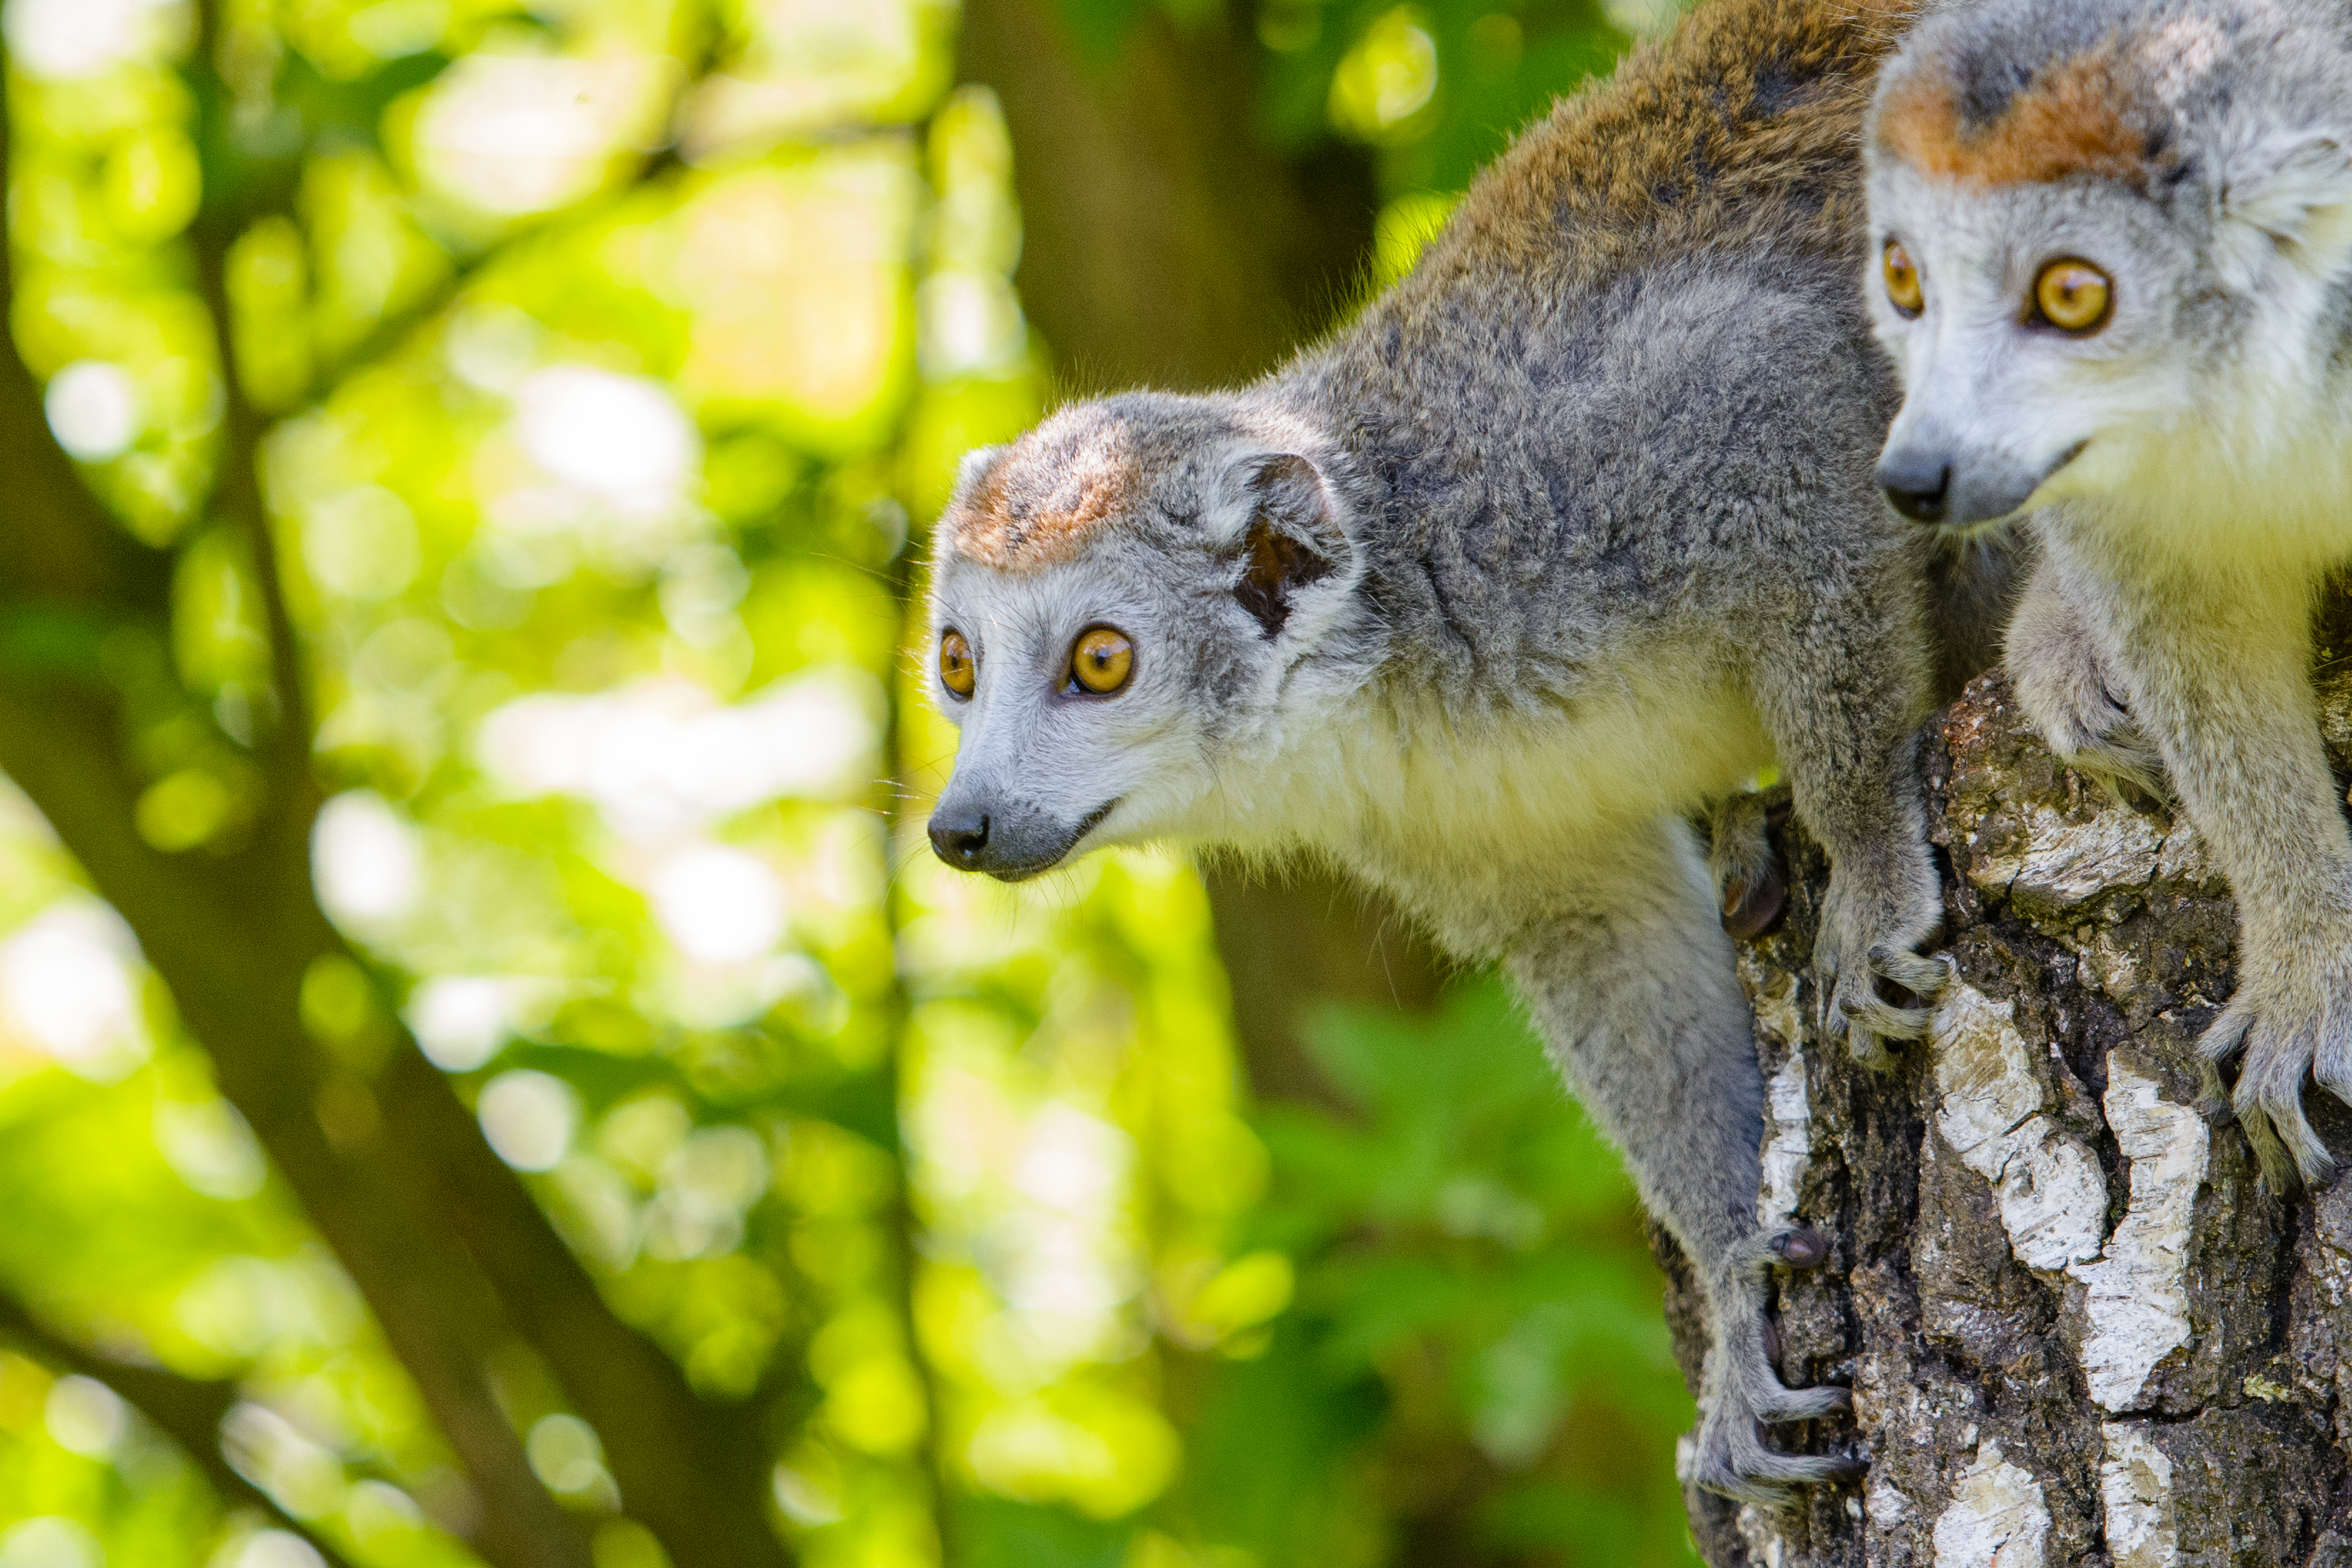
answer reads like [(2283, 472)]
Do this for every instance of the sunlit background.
[(604, 364)]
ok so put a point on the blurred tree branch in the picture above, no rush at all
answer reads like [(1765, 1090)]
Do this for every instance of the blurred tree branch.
[(222, 943), (237, 492), (1164, 239), (442, 1238), (187, 1410), (905, 1225), (398, 326), (235, 487)]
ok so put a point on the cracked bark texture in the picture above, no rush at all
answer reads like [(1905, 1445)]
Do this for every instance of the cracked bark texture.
[(2076, 1330)]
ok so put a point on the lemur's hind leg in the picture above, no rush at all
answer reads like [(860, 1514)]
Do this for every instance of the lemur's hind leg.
[(1746, 873), (1842, 695), (2062, 682), (1631, 979)]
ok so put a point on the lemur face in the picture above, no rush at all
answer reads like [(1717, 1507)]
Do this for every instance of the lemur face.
[(1071, 702), (2034, 328), (2092, 275), (1115, 599)]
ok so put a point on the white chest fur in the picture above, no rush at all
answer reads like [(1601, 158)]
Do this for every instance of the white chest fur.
[(1413, 793)]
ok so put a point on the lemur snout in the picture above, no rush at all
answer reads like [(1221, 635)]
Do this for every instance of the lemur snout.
[(1957, 485), (1004, 836), (1915, 484), (960, 836)]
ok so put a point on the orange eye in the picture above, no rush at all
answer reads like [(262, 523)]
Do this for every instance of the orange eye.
[(958, 672), (1101, 660), (1904, 290), (2073, 295)]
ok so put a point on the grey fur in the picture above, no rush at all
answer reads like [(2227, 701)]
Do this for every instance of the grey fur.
[(2186, 464), (1562, 553)]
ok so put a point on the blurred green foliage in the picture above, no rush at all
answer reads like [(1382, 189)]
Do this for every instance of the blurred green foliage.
[(1469, 1249), (601, 362), (1439, 87)]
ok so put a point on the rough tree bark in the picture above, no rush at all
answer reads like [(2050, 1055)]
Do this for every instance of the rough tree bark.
[(2076, 1331)]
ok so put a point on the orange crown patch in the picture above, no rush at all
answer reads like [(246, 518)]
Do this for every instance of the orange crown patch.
[(2079, 116), (1010, 525)]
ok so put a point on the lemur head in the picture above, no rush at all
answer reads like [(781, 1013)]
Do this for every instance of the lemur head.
[(1132, 606), (2106, 237)]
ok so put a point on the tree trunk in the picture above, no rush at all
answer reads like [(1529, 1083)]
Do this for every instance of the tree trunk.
[(2076, 1331)]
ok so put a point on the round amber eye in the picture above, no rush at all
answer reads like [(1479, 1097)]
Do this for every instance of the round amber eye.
[(958, 672), (1902, 289), (1101, 660), (2073, 295)]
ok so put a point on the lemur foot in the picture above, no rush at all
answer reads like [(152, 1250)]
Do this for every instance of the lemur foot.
[(1739, 853), (1749, 909), (2287, 1028), (1734, 1463), (1882, 907), (1855, 1009), (1746, 1390)]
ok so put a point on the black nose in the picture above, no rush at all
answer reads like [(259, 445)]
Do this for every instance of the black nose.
[(1915, 484), (959, 835)]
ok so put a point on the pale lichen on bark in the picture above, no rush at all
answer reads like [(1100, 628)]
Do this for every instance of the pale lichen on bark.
[(1997, 1518), (2138, 1301), (2135, 1497), (1787, 1113), (2076, 1329), (1994, 1114)]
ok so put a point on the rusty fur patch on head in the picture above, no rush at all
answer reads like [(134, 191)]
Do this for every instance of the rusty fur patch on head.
[(1047, 498), (2090, 115)]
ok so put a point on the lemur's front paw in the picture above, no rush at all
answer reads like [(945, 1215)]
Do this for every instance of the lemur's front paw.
[(2062, 689), (2294, 1021), (2102, 742), (1866, 942), (1746, 1390)]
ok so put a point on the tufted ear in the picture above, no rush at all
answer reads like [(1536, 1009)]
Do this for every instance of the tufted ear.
[(2289, 194), (974, 467), (1293, 540)]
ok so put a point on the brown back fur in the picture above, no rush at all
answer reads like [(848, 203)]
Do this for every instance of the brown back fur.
[(1741, 128)]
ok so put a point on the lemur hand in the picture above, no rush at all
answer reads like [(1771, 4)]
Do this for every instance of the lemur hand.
[(1873, 921), (2066, 692), (2292, 1017)]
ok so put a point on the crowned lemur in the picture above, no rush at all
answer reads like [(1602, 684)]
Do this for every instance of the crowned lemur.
[(2112, 256), (1563, 538)]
